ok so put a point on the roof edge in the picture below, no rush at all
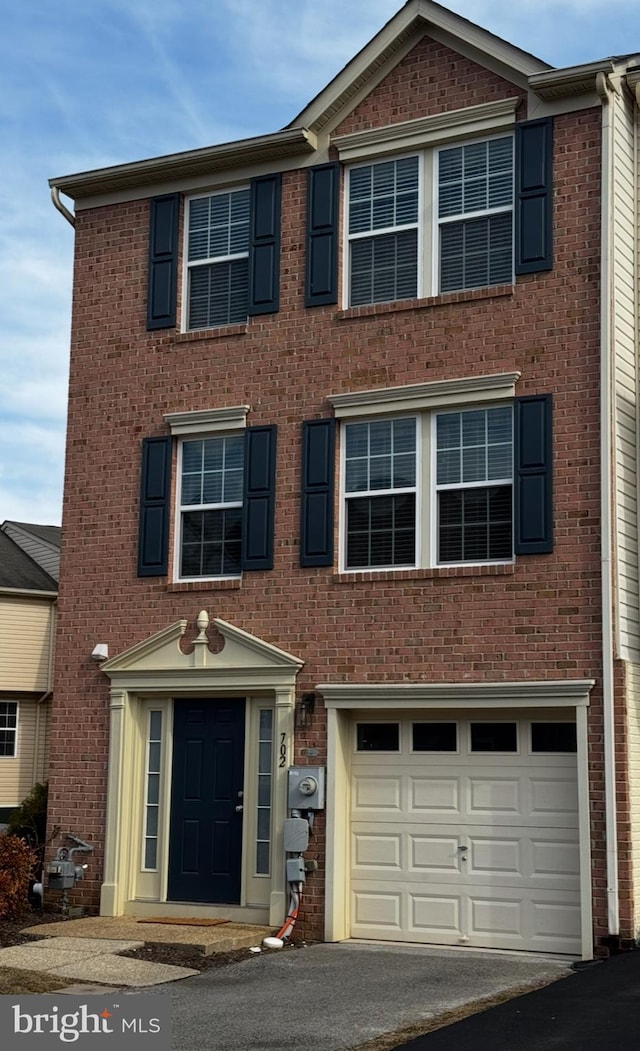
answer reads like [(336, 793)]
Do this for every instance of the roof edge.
[(279, 144)]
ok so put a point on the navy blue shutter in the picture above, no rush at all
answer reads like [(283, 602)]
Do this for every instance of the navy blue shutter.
[(155, 483), (163, 261), (534, 196), (264, 245), (532, 501), (321, 269), (259, 497), (316, 512)]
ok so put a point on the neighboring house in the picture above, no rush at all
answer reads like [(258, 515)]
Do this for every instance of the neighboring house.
[(29, 557), (317, 509)]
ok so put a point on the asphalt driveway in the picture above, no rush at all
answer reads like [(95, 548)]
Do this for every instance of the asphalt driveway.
[(334, 997)]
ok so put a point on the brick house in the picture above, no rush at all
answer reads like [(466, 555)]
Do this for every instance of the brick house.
[(318, 511)]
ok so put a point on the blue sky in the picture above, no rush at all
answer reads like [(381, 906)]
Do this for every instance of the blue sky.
[(97, 82)]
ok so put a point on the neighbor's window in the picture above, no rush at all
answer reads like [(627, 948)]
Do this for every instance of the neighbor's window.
[(8, 729), (217, 259), (438, 221), (210, 500)]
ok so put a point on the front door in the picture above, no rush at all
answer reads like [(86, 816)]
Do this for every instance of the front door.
[(205, 839)]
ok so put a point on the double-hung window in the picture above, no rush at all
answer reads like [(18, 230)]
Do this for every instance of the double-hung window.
[(217, 259), (438, 221), (431, 489), (210, 506), (8, 729)]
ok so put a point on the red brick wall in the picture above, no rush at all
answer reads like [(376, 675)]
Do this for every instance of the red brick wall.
[(539, 619)]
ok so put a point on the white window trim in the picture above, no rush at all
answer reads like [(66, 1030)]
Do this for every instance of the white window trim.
[(370, 235), (177, 575), (439, 394), (428, 148), (188, 266), (206, 421), (434, 489), (417, 399), (418, 489), (454, 125), (16, 742)]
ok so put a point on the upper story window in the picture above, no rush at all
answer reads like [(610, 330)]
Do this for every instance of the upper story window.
[(210, 506), (438, 221), (218, 259), (430, 489)]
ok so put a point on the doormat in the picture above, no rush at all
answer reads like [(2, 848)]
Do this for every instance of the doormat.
[(186, 921)]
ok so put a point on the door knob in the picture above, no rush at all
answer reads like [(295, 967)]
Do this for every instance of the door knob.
[(239, 808)]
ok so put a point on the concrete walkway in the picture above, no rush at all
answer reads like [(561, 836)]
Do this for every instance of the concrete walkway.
[(87, 950)]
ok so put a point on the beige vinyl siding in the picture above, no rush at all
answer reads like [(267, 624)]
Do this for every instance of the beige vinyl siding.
[(41, 769), (26, 626), (16, 775), (624, 323), (632, 679)]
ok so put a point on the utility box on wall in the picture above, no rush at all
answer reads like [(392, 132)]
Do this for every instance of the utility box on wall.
[(306, 788)]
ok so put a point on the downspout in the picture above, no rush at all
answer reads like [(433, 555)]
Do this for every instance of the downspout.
[(62, 208), (606, 570)]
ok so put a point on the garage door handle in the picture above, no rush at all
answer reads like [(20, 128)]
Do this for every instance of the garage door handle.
[(462, 848)]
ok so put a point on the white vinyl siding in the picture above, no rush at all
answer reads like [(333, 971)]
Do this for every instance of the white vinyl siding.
[(19, 773), (624, 278), (26, 627)]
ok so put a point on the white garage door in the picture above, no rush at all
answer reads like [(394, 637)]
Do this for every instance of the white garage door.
[(465, 832)]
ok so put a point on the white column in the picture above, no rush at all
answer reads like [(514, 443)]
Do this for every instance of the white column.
[(283, 758), (111, 892)]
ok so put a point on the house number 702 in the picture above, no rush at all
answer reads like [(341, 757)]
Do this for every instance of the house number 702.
[(283, 750)]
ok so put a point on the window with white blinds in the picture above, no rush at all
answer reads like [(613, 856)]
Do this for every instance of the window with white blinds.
[(218, 259), (475, 201), (433, 222), (430, 489)]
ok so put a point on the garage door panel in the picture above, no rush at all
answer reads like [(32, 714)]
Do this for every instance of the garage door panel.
[(554, 797), (377, 851), (466, 848), (434, 914), (378, 910), (493, 796), (434, 855), (434, 795), (377, 792)]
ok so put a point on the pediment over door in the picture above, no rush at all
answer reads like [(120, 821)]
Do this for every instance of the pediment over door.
[(164, 662)]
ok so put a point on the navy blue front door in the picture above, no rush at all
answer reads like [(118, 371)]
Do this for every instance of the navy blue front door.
[(205, 839)]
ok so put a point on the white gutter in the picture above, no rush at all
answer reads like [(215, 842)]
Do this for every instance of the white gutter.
[(606, 484)]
